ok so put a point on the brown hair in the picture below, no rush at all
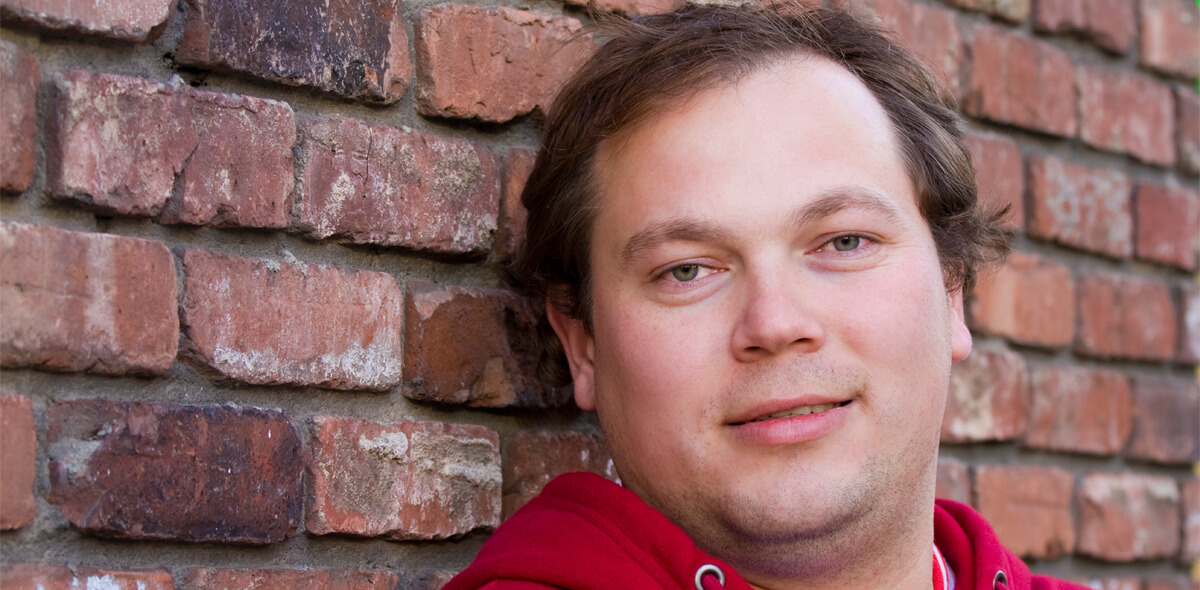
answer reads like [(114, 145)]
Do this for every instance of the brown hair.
[(653, 62)]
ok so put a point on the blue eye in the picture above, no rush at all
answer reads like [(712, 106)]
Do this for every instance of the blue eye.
[(846, 243), (685, 272)]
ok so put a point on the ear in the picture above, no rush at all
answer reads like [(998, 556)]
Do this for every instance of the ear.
[(580, 350), (960, 335)]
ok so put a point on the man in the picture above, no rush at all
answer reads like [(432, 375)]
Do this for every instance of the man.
[(753, 230)]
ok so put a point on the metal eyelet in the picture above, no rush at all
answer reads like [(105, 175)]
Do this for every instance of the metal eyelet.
[(998, 579), (709, 570)]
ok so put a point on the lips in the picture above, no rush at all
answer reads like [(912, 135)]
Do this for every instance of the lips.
[(801, 411), (775, 410)]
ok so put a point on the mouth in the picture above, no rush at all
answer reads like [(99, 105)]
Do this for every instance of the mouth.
[(795, 411)]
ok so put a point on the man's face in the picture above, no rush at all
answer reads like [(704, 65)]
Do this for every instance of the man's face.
[(759, 255)]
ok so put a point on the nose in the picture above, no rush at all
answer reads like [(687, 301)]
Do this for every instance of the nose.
[(776, 318)]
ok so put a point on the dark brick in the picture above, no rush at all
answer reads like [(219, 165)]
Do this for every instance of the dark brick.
[(493, 64), (380, 185), (987, 398), (184, 473), (1168, 224), (495, 367), (355, 49), (1128, 516), (269, 323), (1106, 121), (402, 480), (18, 457), (282, 579), (1126, 316), (126, 20), (1165, 424), (510, 227), (1171, 37), (1080, 206), (74, 301), (1029, 508), (132, 147), (532, 459), (1030, 300), (999, 175), (19, 79), (1017, 80), (1111, 24), (1078, 409), (28, 576), (928, 31)]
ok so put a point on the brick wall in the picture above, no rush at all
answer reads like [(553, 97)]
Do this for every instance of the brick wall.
[(253, 330)]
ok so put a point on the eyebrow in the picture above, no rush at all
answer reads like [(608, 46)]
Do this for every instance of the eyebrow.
[(687, 229)]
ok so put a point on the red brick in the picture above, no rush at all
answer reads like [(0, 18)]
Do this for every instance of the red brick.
[(381, 185), (928, 31), (18, 456), (493, 64), (532, 459), (1080, 206), (127, 20), (1171, 37), (1014, 11), (1189, 323), (434, 580), (1029, 507), (357, 50), (281, 579), (999, 176), (1111, 583), (1166, 428), (953, 481), (628, 7), (1079, 410), (495, 367), (1126, 316), (510, 230), (1187, 128), (1106, 121), (183, 473), (402, 480), (1179, 583), (74, 301), (133, 147), (987, 398), (1017, 80), (1168, 224), (1190, 494), (1127, 516), (269, 323), (19, 79), (1111, 24), (28, 576), (1029, 300)]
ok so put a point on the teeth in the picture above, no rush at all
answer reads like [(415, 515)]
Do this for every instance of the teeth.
[(800, 411)]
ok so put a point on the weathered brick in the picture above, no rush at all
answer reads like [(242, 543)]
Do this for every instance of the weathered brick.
[(987, 398), (1128, 516), (1165, 424), (532, 459), (18, 456), (495, 367), (284, 579), (628, 7), (999, 176), (133, 147), (433, 580), (1078, 409), (1029, 507), (1029, 300), (269, 323), (1014, 11), (184, 473), (493, 64), (1171, 37), (928, 31), (127, 20), (1189, 323), (1168, 224), (402, 480), (355, 49), (381, 185), (1189, 490), (1106, 121), (1178, 583), (510, 227), (1081, 206), (28, 576), (74, 301), (1111, 24), (1126, 316), (19, 79), (1187, 129), (1017, 80), (1111, 583), (953, 481)]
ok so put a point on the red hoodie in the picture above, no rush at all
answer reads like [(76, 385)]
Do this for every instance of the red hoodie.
[(585, 532)]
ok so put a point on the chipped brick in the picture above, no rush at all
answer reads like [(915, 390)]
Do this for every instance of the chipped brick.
[(987, 398), (1128, 516), (1078, 409), (1081, 206), (18, 457), (1017, 80), (19, 79), (532, 459), (1029, 508), (1106, 121)]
